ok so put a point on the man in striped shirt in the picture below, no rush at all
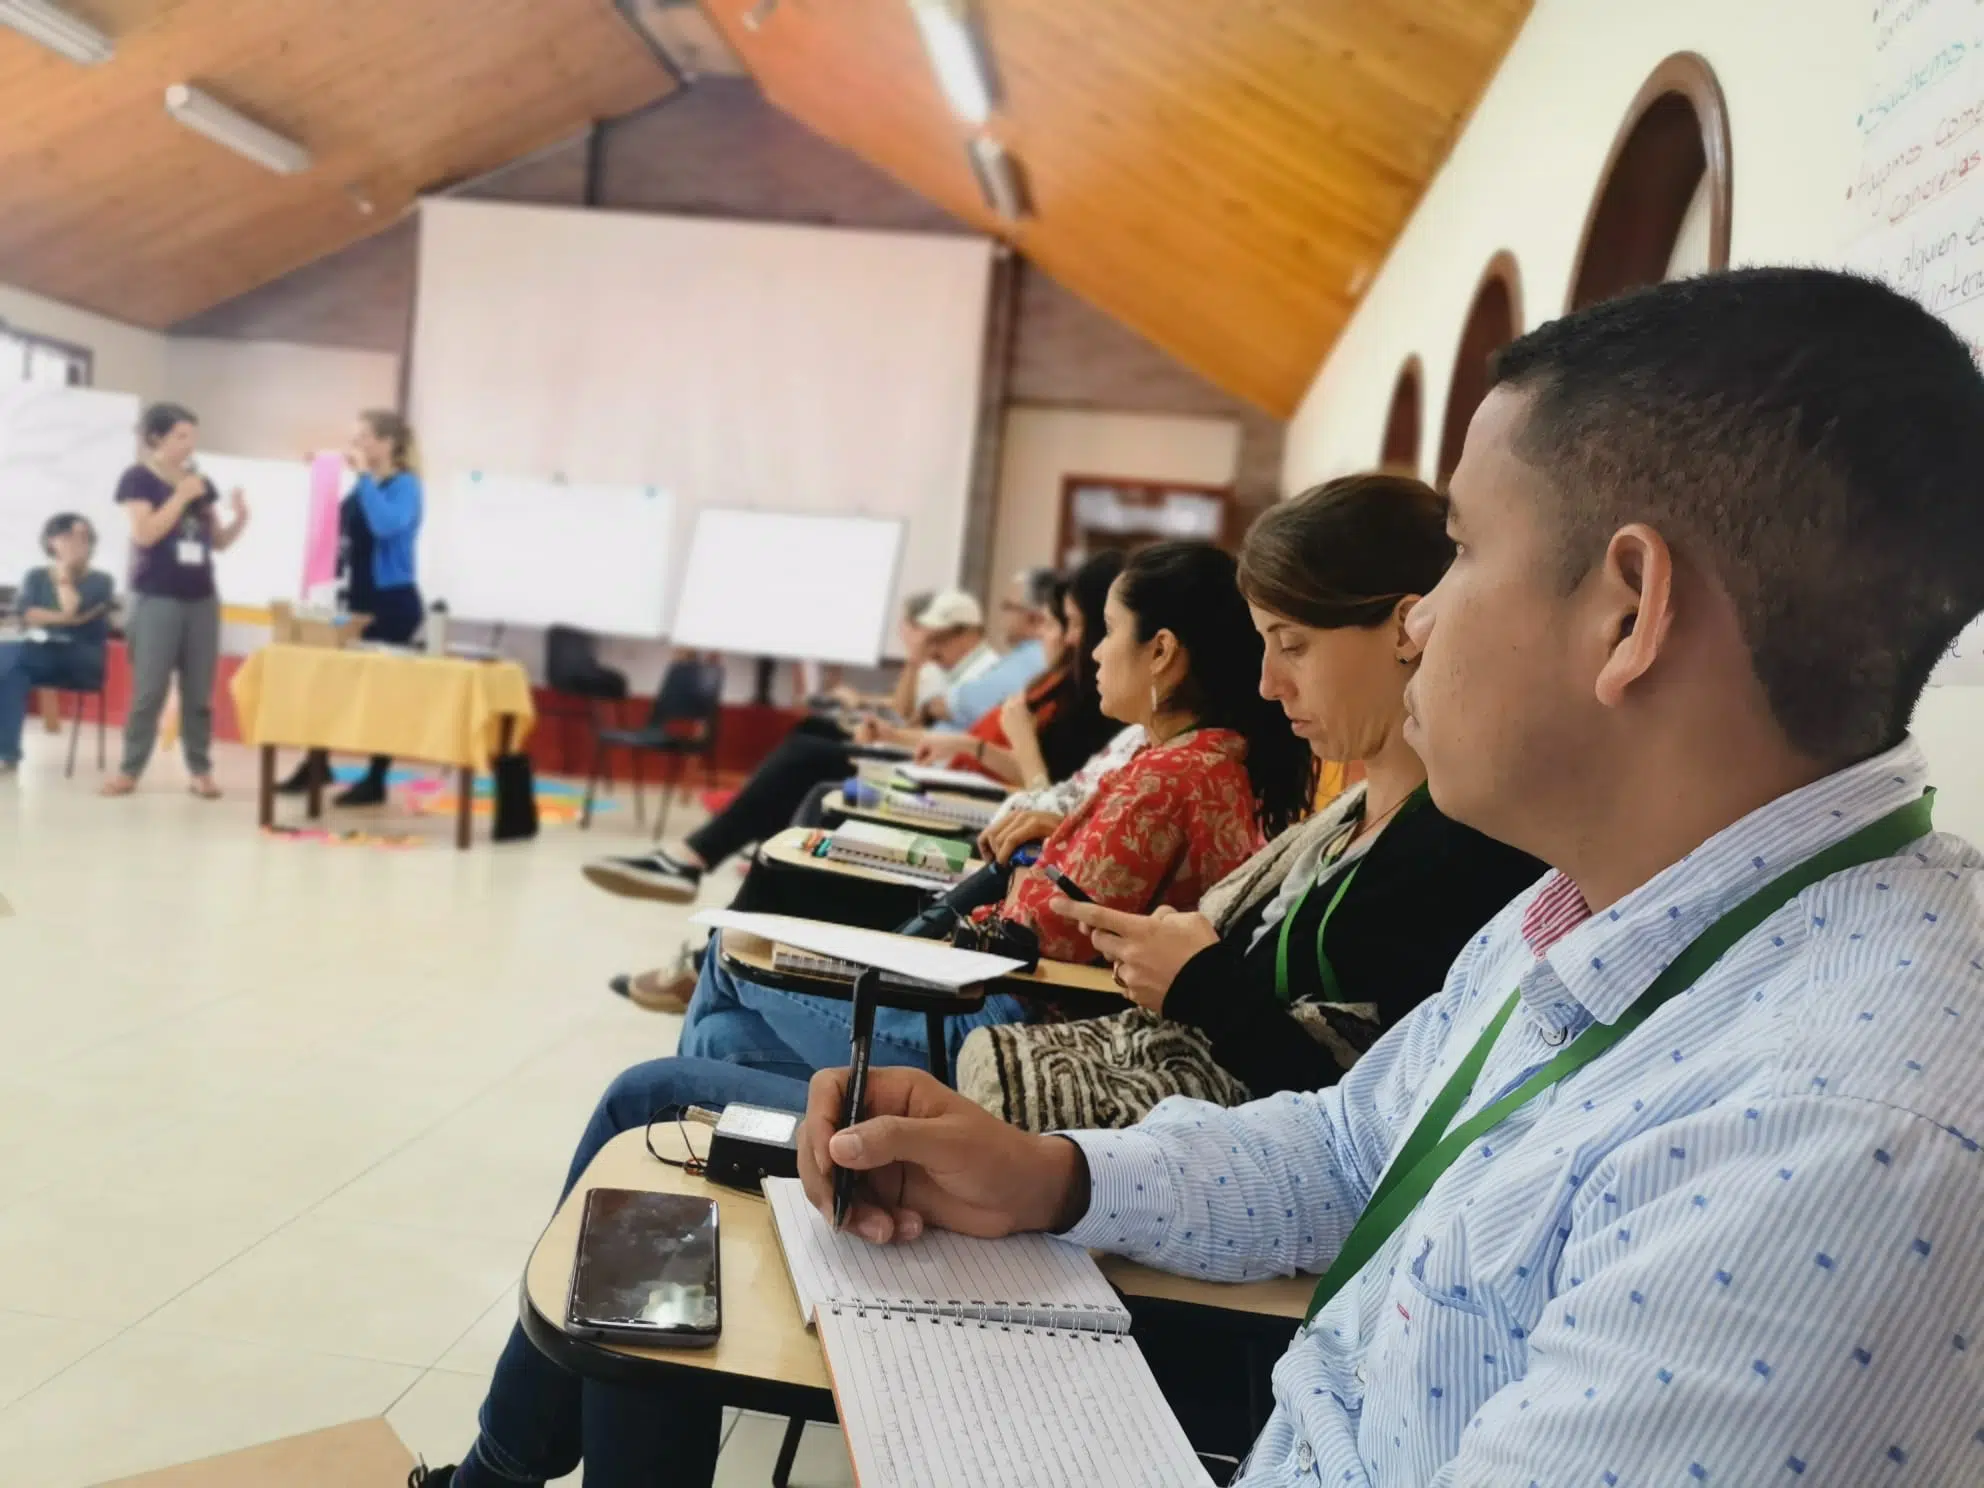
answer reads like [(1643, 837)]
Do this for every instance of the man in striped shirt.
[(1712, 539)]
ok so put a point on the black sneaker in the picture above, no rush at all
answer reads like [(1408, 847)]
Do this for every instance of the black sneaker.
[(367, 792), (424, 1476), (656, 876)]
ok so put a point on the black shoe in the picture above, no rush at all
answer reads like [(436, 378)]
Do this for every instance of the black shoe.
[(424, 1476), (367, 792), (656, 876), (297, 782)]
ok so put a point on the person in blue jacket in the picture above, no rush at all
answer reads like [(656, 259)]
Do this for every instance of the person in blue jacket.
[(378, 537)]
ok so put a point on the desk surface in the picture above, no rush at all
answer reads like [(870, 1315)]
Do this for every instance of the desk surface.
[(836, 805), (764, 1338), (754, 954), (788, 850)]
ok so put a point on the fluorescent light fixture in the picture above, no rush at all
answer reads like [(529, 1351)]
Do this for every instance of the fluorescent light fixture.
[(955, 57), (1000, 181), (204, 114), (57, 30)]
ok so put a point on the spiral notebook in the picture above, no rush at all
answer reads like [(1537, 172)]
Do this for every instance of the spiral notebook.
[(962, 1363), (1029, 1279)]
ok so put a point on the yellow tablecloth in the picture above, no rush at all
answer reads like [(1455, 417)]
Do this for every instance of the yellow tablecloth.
[(431, 708)]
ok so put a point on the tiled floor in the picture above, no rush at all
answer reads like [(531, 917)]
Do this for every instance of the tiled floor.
[(279, 1121)]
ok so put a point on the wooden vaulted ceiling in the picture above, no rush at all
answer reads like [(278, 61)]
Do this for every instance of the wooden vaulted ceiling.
[(107, 203), (1223, 176)]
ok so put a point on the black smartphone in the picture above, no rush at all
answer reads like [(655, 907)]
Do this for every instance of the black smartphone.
[(1067, 886), (647, 1270)]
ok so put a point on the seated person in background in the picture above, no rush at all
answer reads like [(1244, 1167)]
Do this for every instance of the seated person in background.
[(1058, 722), (1708, 1209), (1035, 602), (1049, 728), (1297, 962), (944, 644), (1180, 657), (65, 605), (945, 639)]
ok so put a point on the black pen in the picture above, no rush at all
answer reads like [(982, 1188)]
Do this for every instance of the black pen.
[(845, 1179)]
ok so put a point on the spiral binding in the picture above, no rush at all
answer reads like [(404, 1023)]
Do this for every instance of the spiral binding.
[(1099, 1322), (1017, 1322)]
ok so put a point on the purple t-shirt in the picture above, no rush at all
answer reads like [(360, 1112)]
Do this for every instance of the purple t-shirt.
[(179, 565)]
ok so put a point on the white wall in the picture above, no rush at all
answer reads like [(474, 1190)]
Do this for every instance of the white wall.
[(129, 359), (1042, 445), (1522, 177), (276, 400)]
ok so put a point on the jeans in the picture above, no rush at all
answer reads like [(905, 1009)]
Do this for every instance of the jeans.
[(26, 665), (539, 1419), (815, 753), (795, 1033)]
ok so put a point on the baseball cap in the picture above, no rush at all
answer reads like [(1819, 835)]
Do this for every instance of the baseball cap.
[(951, 609)]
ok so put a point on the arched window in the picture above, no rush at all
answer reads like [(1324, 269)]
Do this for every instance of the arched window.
[(1492, 322), (1663, 203), (1401, 447)]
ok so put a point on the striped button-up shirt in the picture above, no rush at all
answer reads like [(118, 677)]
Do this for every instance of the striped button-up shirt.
[(1745, 1246)]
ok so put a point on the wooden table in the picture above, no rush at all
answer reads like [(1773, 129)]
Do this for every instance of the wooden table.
[(767, 1358), (439, 709)]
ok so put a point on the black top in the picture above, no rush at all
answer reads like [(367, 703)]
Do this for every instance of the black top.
[(1424, 886), (357, 591)]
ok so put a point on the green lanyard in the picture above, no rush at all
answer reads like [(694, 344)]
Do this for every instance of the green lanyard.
[(1427, 1153), (1332, 990)]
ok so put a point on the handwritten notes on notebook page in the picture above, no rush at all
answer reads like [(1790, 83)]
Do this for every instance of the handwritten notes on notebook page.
[(1915, 201), (931, 1402), (1027, 1278)]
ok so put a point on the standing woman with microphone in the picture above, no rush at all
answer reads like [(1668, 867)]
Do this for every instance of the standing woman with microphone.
[(378, 533), (175, 616)]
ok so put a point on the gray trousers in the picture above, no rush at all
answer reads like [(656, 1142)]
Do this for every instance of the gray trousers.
[(166, 636)]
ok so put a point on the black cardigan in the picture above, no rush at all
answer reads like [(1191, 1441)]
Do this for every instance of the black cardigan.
[(1424, 887)]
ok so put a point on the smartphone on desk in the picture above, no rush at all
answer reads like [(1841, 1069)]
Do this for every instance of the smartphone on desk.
[(1068, 887), (647, 1270)]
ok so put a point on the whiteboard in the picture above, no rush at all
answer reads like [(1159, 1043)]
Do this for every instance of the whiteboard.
[(63, 449), (1915, 204), (266, 561), (524, 551), (779, 584)]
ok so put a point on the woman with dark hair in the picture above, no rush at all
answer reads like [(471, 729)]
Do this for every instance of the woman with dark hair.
[(379, 524), (1177, 657), (174, 625), (1295, 964), (65, 605), (1064, 729)]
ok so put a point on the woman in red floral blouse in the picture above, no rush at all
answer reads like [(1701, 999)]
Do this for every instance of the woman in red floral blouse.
[(1220, 773)]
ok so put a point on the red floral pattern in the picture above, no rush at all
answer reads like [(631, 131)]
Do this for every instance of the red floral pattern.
[(1167, 826)]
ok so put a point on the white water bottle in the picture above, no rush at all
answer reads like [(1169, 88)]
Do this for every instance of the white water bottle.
[(437, 628)]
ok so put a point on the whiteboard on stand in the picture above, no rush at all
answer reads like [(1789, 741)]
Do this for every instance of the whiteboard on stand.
[(266, 561), (63, 449), (523, 551), (781, 584), (1914, 207)]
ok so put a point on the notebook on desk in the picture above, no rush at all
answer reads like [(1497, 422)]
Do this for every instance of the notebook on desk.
[(962, 1363)]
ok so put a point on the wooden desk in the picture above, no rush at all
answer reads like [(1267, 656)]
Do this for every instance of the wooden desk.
[(788, 850), (767, 1358)]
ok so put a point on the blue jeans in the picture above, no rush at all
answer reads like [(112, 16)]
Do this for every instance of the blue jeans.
[(540, 1419), (26, 665), (795, 1034)]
